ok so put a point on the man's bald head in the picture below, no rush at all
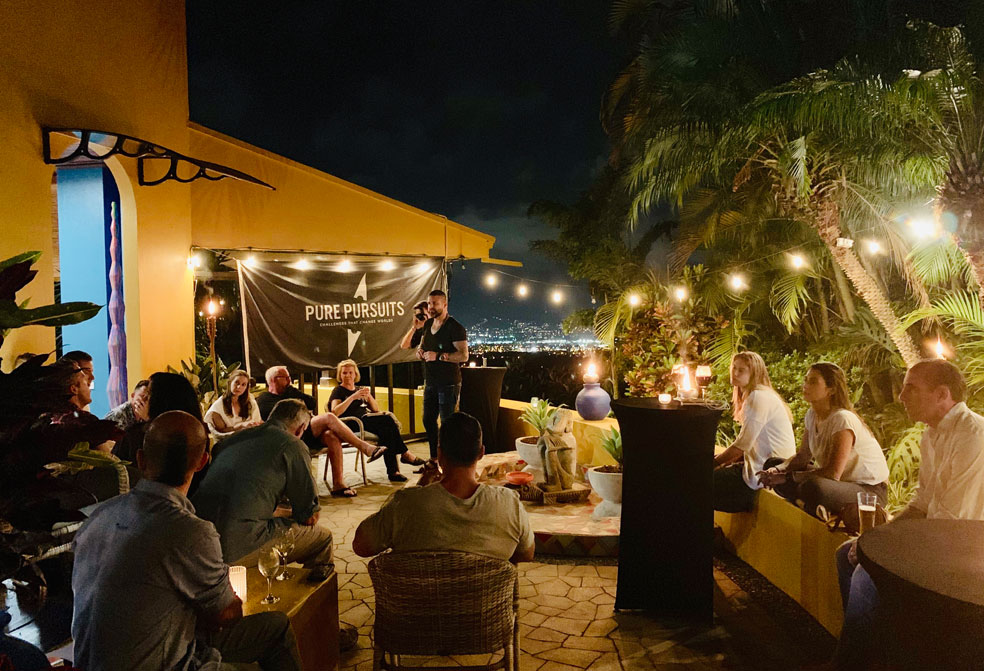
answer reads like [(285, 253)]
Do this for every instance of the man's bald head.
[(173, 448)]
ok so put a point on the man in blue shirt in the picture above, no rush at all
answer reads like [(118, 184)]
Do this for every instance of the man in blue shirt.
[(148, 573)]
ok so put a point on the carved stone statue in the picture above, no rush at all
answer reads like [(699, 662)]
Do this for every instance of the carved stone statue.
[(558, 452)]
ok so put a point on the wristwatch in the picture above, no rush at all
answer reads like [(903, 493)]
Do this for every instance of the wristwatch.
[(441, 357)]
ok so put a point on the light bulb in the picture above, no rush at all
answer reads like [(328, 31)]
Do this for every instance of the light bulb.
[(923, 227), (250, 261), (557, 297), (634, 300), (874, 247), (195, 261), (344, 266), (797, 261), (680, 293), (522, 290), (491, 280), (303, 264), (387, 265), (737, 282)]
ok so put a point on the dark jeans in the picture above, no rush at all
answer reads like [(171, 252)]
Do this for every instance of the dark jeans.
[(389, 437), (265, 639), (831, 494), (440, 400), (731, 494)]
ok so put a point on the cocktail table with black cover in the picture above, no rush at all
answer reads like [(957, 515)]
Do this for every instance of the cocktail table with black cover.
[(930, 579), (666, 542)]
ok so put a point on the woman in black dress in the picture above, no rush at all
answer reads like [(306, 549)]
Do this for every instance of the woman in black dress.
[(347, 400)]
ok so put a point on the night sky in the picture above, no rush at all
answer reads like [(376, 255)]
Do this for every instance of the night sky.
[(468, 109)]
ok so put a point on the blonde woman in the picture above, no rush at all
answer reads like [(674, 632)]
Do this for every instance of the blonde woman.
[(347, 400), (236, 409), (847, 458), (766, 433)]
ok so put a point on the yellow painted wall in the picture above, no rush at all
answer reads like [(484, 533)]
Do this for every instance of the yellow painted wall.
[(311, 210), (117, 66)]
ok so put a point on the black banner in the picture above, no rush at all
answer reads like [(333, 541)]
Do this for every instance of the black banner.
[(313, 314)]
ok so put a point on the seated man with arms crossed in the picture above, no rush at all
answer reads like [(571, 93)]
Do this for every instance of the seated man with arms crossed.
[(457, 513), (240, 493), (951, 486), (148, 573), (326, 431)]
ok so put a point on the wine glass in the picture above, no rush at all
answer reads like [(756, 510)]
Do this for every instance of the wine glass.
[(284, 543), (704, 377), (269, 565)]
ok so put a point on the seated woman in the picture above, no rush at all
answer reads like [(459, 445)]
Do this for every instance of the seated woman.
[(848, 458), (236, 409), (766, 432), (348, 401)]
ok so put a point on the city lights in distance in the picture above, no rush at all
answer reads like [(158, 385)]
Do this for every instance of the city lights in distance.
[(634, 300), (523, 291), (557, 296), (680, 293), (303, 264), (797, 261), (344, 266), (491, 280), (873, 246), (388, 264), (737, 282)]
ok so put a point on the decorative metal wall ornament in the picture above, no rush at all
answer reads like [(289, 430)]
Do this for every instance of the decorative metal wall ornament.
[(92, 146)]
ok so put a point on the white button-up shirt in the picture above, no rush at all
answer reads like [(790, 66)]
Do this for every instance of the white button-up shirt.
[(951, 473)]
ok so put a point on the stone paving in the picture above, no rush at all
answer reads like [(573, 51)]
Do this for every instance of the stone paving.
[(567, 621)]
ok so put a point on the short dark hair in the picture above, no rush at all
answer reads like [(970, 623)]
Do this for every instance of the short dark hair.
[(943, 373), (172, 391), (460, 439), (76, 355), (142, 383), (168, 450), (438, 292)]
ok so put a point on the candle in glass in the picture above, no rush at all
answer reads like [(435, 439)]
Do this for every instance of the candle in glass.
[(591, 376)]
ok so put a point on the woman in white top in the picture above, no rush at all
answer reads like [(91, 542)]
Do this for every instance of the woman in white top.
[(766, 433), (847, 459), (236, 409)]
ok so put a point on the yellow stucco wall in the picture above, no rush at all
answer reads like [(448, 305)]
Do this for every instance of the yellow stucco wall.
[(120, 66)]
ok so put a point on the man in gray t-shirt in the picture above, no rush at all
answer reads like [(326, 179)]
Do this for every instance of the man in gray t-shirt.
[(457, 513)]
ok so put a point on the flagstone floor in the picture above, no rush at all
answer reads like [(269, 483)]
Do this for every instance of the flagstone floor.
[(567, 620)]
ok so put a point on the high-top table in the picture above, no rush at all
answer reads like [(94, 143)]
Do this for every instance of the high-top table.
[(312, 609), (930, 579), (666, 545)]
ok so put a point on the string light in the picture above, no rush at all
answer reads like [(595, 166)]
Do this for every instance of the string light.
[(387, 265), (797, 261), (874, 247), (737, 282), (423, 265), (250, 261), (680, 293), (491, 280), (557, 297), (303, 264), (344, 266), (923, 227), (522, 290), (634, 300), (195, 261)]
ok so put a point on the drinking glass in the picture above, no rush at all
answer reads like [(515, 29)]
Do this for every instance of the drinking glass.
[(269, 565), (284, 543), (867, 505)]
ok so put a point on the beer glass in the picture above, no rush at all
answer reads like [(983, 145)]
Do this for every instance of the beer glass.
[(867, 505)]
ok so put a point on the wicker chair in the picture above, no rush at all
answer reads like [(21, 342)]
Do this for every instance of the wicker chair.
[(444, 603)]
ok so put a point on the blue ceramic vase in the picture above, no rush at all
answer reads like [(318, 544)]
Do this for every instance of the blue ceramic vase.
[(593, 402)]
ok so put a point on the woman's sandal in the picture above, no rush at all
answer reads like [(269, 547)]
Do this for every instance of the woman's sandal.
[(344, 493), (416, 461), (376, 454)]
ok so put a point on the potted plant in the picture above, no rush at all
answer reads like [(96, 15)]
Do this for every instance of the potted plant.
[(538, 415), (607, 480)]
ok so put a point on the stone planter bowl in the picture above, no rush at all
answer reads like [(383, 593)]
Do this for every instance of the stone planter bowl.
[(530, 453), (609, 487)]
